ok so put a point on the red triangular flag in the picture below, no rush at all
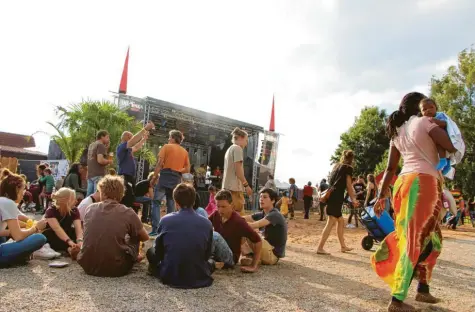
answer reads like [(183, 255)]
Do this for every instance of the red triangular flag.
[(272, 121), (123, 80)]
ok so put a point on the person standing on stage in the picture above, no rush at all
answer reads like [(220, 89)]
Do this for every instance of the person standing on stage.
[(173, 161), (233, 177), (129, 144)]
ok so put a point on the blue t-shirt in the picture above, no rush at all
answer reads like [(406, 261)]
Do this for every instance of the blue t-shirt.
[(125, 160), (183, 248)]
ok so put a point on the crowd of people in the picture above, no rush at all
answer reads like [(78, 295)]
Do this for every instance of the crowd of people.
[(106, 235), (99, 228)]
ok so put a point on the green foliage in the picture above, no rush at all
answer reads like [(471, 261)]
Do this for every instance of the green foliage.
[(454, 93), (83, 120), (367, 139), (384, 162), (71, 146)]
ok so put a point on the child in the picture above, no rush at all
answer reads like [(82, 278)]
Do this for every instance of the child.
[(428, 108), (283, 203), (48, 181), (212, 202)]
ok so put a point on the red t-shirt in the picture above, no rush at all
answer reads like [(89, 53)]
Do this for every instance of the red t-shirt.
[(233, 230), (307, 190)]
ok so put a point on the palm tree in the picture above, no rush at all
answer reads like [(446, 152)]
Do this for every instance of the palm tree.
[(71, 146), (83, 120)]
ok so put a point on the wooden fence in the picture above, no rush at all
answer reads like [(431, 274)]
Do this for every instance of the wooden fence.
[(11, 163)]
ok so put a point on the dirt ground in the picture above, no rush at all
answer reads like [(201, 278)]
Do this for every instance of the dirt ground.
[(302, 281)]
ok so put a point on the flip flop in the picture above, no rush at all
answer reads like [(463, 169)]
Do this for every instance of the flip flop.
[(346, 249), (323, 253)]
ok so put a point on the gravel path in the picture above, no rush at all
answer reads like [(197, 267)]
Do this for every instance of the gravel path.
[(302, 281)]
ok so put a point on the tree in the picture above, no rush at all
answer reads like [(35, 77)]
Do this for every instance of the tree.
[(454, 93), (83, 120), (71, 146), (367, 139), (384, 162)]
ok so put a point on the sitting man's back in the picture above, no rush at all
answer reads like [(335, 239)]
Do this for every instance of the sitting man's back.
[(182, 251), (112, 233)]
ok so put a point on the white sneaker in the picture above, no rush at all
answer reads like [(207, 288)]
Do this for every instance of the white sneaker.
[(44, 254), (350, 226), (48, 247)]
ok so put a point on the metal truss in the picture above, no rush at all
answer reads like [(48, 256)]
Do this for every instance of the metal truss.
[(141, 162), (255, 164), (166, 112)]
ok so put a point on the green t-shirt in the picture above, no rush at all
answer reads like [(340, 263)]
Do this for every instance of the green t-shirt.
[(48, 180)]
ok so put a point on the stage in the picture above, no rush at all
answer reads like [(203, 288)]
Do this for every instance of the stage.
[(207, 136)]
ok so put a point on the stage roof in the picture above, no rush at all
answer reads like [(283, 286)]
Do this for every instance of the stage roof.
[(199, 127), (209, 118)]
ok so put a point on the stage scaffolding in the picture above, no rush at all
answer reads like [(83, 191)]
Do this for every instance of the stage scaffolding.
[(148, 108)]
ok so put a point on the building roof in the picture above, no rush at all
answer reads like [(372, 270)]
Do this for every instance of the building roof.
[(19, 150), (16, 140), (209, 117)]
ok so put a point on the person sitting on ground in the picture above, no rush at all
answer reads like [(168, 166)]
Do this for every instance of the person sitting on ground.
[(144, 194), (73, 181), (181, 255), (233, 228), (25, 242), (119, 229), (212, 201), (275, 230), (86, 202), (64, 230)]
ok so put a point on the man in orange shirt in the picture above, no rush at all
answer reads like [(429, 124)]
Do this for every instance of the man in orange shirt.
[(173, 161)]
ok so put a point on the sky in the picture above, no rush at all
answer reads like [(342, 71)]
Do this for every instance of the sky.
[(324, 60)]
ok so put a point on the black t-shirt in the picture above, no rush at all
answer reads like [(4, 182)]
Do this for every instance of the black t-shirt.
[(338, 181), (142, 188), (323, 187), (359, 187)]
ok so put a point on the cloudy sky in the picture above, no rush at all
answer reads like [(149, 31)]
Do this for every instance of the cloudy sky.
[(323, 59)]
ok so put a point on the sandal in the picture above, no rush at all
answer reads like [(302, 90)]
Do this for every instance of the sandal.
[(323, 252), (346, 249)]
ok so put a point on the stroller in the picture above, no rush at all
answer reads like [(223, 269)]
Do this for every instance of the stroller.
[(377, 228)]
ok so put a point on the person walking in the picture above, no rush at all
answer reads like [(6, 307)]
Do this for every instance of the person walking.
[(412, 249), (322, 188), (293, 193), (307, 198), (97, 160), (340, 180), (233, 178)]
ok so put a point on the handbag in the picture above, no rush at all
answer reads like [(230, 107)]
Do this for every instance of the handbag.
[(325, 195)]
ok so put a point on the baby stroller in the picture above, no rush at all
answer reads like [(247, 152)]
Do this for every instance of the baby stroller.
[(377, 228)]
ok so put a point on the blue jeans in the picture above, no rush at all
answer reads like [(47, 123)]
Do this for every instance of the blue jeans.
[(92, 185), (221, 252), (12, 253), (158, 195)]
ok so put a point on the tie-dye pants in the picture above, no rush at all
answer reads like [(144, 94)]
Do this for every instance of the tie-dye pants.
[(411, 251)]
